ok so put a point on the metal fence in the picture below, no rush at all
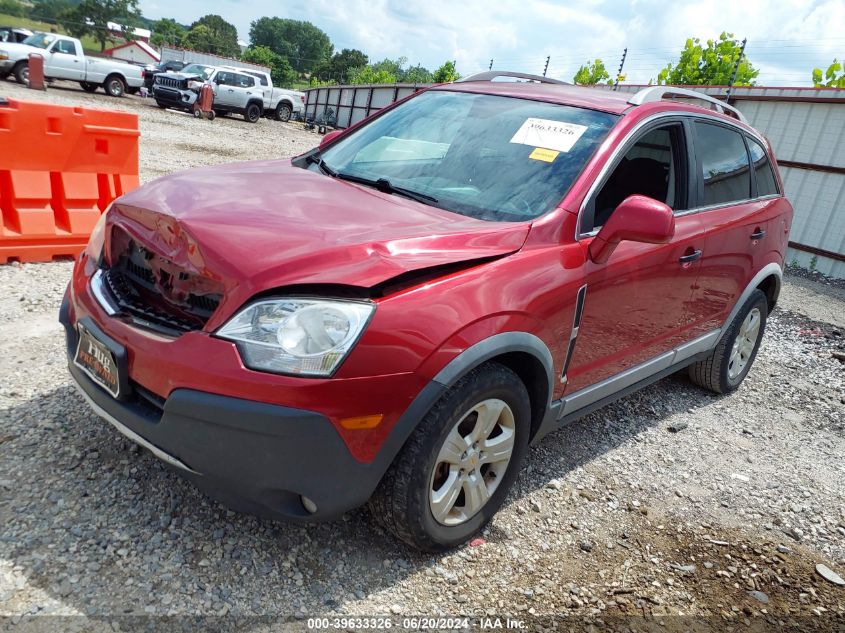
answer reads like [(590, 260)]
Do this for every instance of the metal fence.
[(193, 57), (350, 104), (806, 127)]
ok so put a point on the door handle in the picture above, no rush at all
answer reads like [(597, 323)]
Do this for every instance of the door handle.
[(759, 234), (690, 257)]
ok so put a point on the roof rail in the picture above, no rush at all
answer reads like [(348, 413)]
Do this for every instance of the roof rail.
[(657, 93), (490, 75)]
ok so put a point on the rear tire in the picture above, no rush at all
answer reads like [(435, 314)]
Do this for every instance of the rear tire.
[(283, 112), (731, 359), (88, 86), (252, 112), (443, 487), (114, 86)]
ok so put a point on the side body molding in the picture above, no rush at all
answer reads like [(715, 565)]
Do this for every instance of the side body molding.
[(579, 403)]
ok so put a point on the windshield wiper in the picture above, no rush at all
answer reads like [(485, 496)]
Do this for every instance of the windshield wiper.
[(383, 184), (317, 160)]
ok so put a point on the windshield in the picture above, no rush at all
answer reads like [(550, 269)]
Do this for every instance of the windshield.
[(198, 69), (39, 40), (485, 156)]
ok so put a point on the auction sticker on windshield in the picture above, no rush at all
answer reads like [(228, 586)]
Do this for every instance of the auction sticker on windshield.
[(554, 135)]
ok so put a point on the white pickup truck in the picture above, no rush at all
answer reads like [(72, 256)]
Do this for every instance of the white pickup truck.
[(64, 59), (279, 103)]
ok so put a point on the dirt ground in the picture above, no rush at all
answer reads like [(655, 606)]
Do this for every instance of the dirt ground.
[(672, 509)]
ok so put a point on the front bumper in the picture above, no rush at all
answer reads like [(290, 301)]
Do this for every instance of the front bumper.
[(6, 65), (251, 456), (174, 98)]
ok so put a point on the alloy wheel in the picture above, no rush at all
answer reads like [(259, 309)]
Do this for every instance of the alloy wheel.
[(744, 344), (472, 462)]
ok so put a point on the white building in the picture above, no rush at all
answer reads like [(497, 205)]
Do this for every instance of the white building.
[(136, 51)]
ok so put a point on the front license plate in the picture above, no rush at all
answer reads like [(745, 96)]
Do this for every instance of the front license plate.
[(97, 361)]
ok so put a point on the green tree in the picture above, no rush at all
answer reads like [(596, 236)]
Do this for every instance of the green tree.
[(12, 7), (372, 75), (830, 79), (304, 45), (212, 34), (446, 74), (281, 71), (167, 31), (417, 75), (49, 10), (710, 65), (90, 17), (338, 68), (592, 73)]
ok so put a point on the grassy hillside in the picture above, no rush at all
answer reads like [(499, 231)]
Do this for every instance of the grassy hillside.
[(88, 43)]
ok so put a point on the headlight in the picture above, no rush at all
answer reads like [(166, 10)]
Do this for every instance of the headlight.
[(98, 236), (309, 337), (4, 55)]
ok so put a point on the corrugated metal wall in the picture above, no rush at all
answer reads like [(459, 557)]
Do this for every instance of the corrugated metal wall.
[(806, 127)]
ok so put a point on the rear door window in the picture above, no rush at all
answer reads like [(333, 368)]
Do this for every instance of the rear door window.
[(763, 174), (723, 161)]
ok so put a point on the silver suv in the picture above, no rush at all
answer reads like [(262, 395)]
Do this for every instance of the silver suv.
[(234, 91)]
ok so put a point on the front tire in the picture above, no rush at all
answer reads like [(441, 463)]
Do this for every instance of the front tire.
[(283, 112), (455, 470), (731, 359), (22, 73), (114, 86), (252, 113)]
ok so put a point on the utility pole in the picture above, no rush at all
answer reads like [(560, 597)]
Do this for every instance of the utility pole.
[(545, 70), (621, 66), (736, 70), (490, 67)]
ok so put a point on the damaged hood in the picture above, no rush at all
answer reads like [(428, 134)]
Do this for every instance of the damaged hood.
[(252, 227)]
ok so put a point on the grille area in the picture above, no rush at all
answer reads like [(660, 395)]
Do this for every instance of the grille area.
[(171, 82), (153, 292)]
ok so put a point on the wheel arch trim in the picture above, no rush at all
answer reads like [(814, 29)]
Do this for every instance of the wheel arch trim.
[(497, 345), (769, 270)]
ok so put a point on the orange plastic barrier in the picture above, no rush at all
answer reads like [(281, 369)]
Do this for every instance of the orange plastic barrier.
[(60, 167)]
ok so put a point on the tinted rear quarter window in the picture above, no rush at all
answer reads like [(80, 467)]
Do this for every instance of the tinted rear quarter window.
[(724, 164), (766, 183)]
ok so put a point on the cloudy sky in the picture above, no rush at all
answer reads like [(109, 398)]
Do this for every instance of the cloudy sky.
[(786, 38)]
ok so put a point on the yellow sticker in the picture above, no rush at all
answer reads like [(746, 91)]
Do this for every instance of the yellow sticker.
[(545, 155)]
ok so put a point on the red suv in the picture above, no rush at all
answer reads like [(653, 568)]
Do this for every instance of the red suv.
[(396, 315)]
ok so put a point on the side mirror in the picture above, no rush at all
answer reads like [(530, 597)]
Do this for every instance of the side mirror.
[(328, 137), (638, 219)]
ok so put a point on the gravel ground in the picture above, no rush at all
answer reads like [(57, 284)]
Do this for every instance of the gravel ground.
[(672, 501)]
